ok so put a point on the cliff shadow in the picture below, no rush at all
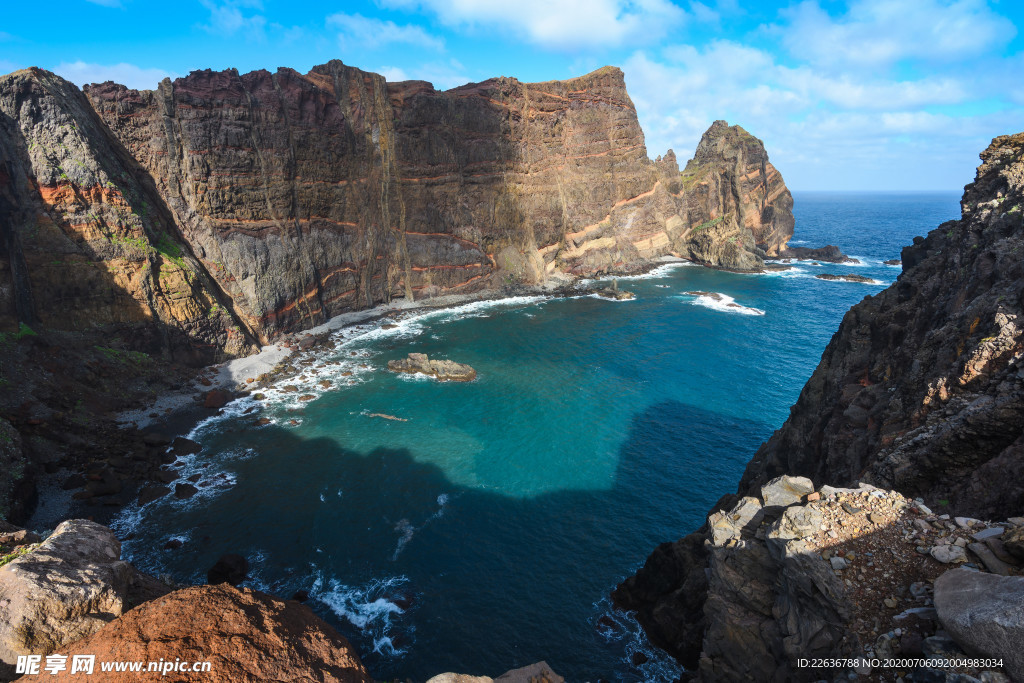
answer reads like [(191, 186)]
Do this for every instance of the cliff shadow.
[(481, 581)]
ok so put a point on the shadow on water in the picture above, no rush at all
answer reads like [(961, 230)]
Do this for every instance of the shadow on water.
[(485, 582)]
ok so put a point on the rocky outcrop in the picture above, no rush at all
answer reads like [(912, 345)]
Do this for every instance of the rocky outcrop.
[(539, 672), (67, 588), (737, 205), (228, 207), (847, 277), (920, 390), (442, 370), (985, 614), (86, 243), (246, 636), (829, 254)]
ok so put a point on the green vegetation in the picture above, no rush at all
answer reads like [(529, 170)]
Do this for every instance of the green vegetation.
[(24, 550), (709, 224), (119, 356)]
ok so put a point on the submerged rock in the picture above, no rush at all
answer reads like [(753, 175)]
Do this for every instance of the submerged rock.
[(845, 278), (230, 568), (443, 370)]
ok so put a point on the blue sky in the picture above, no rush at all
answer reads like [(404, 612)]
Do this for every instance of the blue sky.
[(855, 95)]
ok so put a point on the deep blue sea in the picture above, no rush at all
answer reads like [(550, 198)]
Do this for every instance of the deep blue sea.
[(485, 529)]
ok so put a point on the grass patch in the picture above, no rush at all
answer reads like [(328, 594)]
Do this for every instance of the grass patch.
[(20, 552), (708, 224), (119, 356)]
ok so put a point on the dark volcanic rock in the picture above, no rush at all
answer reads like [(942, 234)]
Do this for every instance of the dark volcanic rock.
[(985, 615), (230, 568), (183, 446), (829, 253), (919, 390), (185, 490), (151, 492), (844, 278)]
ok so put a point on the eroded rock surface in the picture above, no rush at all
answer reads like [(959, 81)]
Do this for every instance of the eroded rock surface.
[(443, 370), (67, 588), (247, 636), (920, 390)]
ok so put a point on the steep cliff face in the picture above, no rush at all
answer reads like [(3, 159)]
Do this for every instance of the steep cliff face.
[(735, 199), (920, 390), (308, 195), (226, 207), (87, 244)]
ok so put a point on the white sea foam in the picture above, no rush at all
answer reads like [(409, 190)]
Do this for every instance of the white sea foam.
[(615, 626), (608, 298), (365, 607), (720, 302)]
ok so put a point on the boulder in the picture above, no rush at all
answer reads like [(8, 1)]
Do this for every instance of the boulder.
[(948, 553), (247, 636), (785, 491), (183, 490), (183, 446), (443, 370), (216, 399), (1013, 541), (150, 492), (68, 588), (230, 568), (534, 673), (984, 613)]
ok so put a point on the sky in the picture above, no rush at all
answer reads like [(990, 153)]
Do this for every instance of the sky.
[(846, 95)]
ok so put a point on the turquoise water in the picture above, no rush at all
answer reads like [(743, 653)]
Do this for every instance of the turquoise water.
[(484, 530)]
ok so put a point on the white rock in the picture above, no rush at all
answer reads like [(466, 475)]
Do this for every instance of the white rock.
[(949, 553)]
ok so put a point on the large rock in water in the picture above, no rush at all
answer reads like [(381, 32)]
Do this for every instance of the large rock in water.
[(247, 636), (69, 587), (985, 615), (444, 370)]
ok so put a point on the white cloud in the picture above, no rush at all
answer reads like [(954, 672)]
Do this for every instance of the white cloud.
[(876, 33), (822, 128), (355, 29), (559, 24), (227, 18), (81, 73), (443, 75)]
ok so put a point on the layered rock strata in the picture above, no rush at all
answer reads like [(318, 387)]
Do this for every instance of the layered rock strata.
[(225, 207), (920, 390), (86, 242)]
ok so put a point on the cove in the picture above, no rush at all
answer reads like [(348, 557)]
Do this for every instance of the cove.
[(484, 531)]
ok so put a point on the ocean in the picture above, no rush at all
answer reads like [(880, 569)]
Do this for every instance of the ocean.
[(484, 528)]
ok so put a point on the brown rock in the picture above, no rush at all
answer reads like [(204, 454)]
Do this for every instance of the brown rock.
[(216, 399), (443, 370), (247, 636)]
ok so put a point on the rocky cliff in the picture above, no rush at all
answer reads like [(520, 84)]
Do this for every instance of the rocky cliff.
[(919, 390), (87, 243), (225, 208)]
